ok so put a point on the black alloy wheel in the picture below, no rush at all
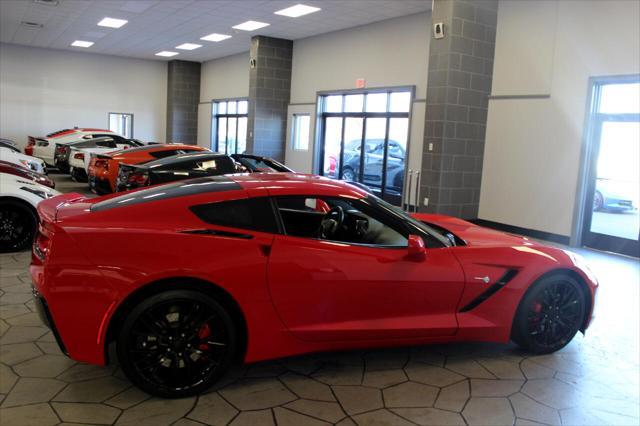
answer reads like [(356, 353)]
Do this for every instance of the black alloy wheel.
[(18, 224), (598, 201), (176, 343), (550, 314)]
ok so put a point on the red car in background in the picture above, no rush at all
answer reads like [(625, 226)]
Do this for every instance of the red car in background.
[(23, 172), (292, 264), (104, 168)]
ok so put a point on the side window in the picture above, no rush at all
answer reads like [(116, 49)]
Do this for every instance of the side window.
[(249, 213), (337, 219), (219, 166)]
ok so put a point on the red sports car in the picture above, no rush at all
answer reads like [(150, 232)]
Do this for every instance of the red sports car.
[(189, 276)]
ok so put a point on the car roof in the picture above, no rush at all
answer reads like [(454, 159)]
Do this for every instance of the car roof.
[(155, 148), (197, 155), (297, 183)]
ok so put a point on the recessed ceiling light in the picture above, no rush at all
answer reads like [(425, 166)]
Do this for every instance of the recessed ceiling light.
[(80, 43), (297, 10), (166, 54), (188, 46), (112, 22), (215, 37), (250, 25)]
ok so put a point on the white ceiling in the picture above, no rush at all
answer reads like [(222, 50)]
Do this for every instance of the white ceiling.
[(156, 25)]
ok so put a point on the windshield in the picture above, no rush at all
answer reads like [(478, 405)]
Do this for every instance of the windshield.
[(422, 227)]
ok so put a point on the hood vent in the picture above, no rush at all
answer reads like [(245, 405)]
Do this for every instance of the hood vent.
[(47, 2), (32, 25)]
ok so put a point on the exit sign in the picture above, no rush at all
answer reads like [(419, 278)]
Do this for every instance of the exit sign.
[(360, 83)]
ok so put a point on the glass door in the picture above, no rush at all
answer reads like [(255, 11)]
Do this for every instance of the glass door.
[(365, 140), (612, 222)]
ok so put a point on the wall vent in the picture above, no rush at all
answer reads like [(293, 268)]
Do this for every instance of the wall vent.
[(32, 25)]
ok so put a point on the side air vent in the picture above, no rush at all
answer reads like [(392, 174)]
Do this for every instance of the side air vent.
[(47, 2), (508, 276), (32, 25)]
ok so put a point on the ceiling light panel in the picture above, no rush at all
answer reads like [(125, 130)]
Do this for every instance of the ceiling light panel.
[(215, 37), (188, 46), (166, 54), (251, 26), (82, 43), (297, 10), (112, 22)]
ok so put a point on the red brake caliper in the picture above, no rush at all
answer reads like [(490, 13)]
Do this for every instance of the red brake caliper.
[(203, 333)]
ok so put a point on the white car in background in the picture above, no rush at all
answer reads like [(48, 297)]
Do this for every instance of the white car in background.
[(80, 154), (11, 156), (18, 215), (45, 147)]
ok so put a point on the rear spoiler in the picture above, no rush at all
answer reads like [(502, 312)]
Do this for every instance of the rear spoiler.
[(48, 209)]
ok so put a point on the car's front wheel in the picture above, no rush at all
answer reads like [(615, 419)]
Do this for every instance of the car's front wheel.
[(176, 343), (550, 314), (598, 201), (18, 224)]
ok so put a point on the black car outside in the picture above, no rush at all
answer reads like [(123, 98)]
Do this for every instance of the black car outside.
[(62, 151), (173, 168)]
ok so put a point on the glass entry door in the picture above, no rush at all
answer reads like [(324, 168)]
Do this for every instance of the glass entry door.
[(612, 221), (365, 140)]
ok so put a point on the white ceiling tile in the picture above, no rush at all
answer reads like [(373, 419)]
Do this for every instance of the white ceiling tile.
[(156, 25)]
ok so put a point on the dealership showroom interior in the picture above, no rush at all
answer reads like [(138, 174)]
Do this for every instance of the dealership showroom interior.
[(319, 212)]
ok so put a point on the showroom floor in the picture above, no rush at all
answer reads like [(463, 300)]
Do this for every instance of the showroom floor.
[(593, 381)]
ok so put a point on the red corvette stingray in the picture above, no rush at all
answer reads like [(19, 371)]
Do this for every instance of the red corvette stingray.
[(187, 277)]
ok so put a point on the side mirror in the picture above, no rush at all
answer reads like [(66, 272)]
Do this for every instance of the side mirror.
[(416, 248)]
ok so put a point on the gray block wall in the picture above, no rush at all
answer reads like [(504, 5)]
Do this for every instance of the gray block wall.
[(458, 87), (183, 95), (269, 94)]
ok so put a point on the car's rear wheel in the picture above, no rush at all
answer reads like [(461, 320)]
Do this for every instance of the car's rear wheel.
[(18, 223), (176, 343), (598, 201), (348, 174), (550, 314)]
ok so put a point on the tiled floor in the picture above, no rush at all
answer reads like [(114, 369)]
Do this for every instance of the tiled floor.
[(594, 381)]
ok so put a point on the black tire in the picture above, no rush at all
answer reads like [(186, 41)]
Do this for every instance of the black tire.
[(348, 174), (165, 344), (18, 225), (598, 201), (78, 176), (64, 169), (550, 314)]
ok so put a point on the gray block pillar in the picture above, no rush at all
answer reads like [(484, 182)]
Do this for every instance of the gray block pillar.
[(269, 94), (458, 87), (183, 95)]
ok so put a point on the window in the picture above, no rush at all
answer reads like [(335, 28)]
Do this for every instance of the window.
[(338, 219), (121, 123), (249, 213), (365, 138), (229, 126), (300, 131)]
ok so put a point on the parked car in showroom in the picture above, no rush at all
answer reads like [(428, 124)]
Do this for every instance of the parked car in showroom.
[(373, 162), (26, 173), (616, 195), (192, 165), (176, 167), (11, 156), (100, 144), (103, 168), (19, 198), (292, 264), (45, 147)]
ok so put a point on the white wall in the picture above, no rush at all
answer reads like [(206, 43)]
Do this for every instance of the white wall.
[(394, 52), (533, 146), (43, 90), (221, 78)]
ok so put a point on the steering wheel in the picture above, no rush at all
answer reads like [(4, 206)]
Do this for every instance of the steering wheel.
[(331, 222)]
